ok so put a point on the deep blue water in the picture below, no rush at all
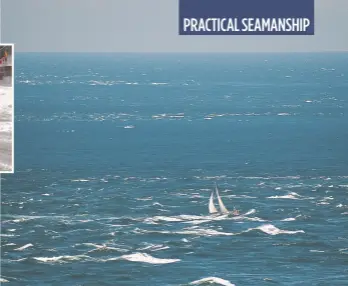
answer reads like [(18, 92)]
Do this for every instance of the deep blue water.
[(269, 129)]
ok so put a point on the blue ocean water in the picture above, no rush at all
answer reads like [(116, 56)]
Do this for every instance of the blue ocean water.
[(116, 156)]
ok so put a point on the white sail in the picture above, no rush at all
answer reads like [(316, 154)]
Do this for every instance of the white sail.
[(223, 209), (212, 208)]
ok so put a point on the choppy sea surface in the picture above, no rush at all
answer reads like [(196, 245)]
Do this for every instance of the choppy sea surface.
[(116, 156)]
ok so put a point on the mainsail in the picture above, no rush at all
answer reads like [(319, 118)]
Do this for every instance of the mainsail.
[(212, 208), (223, 209)]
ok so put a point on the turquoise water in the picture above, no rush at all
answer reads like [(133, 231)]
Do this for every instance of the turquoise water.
[(117, 155)]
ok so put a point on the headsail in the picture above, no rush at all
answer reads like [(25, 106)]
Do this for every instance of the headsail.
[(223, 209), (212, 208)]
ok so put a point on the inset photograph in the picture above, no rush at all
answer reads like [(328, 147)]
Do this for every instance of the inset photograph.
[(6, 108)]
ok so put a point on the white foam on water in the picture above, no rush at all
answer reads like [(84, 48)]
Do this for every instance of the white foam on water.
[(195, 231), (159, 83), (289, 219), (195, 219), (80, 180), (251, 218), (144, 199), (212, 280), (24, 247), (19, 260), (323, 203), (154, 247), (143, 257), (157, 204), (61, 259), (166, 218), (252, 211), (196, 222), (103, 247), (7, 235), (292, 197), (272, 230)]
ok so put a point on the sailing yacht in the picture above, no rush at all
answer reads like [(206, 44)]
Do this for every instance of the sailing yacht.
[(212, 208)]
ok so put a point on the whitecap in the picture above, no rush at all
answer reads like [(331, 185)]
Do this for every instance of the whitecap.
[(63, 258), (200, 232), (252, 219), (157, 204), (272, 230), (103, 247), (80, 180), (165, 218), (143, 257), (24, 247), (289, 219), (212, 280), (144, 199), (154, 247), (159, 83), (191, 217), (292, 197)]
